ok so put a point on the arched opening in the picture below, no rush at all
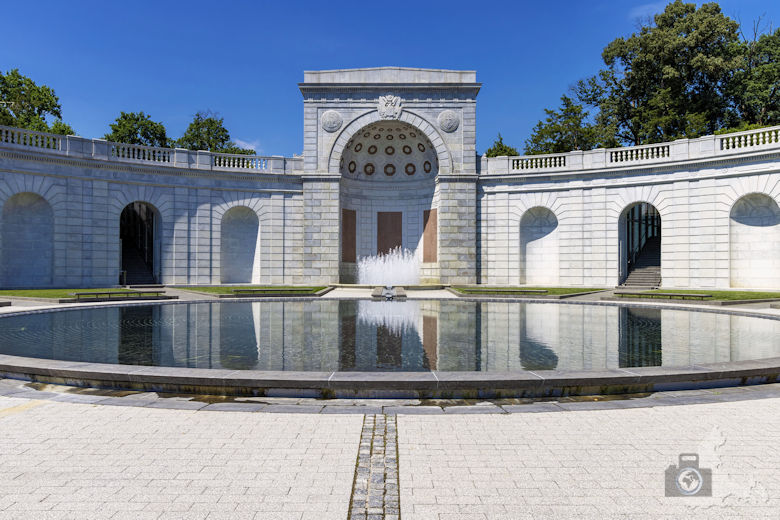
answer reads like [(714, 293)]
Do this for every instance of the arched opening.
[(239, 232), (754, 237), (28, 241), (139, 226), (388, 179), (539, 247), (639, 242)]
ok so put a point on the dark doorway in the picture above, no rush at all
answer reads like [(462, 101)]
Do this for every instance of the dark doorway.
[(140, 256), (640, 246), (388, 231)]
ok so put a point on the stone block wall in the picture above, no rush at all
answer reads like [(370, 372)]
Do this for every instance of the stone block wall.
[(321, 235), (695, 205), (458, 230)]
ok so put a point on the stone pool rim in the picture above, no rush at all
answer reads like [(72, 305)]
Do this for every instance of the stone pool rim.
[(423, 384)]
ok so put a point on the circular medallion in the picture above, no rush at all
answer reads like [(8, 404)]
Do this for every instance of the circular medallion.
[(449, 121), (410, 169), (427, 167), (372, 149), (421, 147), (358, 147), (389, 137), (366, 134), (377, 136), (352, 166), (389, 150), (407, 149), (389, 170), (402, 136), (412, 134), (368, 169), (331, 121)]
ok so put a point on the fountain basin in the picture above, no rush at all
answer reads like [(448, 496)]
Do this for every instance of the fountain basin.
[(389, 349)]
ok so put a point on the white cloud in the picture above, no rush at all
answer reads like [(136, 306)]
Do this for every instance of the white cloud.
[(646, 10), (252, 145)]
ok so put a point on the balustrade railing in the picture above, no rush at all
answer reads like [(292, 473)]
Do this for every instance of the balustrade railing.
[(240, 162), (30, 138), (74, 146), (538, 162), (638, 153), (679, 150), (750, 139), (140, 153)]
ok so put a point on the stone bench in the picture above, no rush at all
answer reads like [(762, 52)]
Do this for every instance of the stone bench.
[(478, 290), (669, 295), (270, 290), (116, 295)]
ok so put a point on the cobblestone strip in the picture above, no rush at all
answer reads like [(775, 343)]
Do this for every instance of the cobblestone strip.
[(375, 494)]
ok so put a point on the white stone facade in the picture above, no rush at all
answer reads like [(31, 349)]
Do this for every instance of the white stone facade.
[(551, 220)]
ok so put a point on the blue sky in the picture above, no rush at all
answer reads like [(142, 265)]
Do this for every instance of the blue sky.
[(245, 59)]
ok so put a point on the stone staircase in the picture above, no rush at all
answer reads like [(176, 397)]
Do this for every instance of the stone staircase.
[(137, 271), (647, 270)]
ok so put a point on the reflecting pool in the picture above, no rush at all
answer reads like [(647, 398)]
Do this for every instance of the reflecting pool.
[(328, 335)]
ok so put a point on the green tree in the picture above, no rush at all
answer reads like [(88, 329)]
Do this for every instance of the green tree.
[(207, 132), (668, 80), (677, 76), (563, 130), (59, 127), (24, 104), (137, 128), (755, 88), (500, 149)]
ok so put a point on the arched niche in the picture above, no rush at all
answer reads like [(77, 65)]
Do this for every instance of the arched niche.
[(388, 183), (539, 252), (239, 233), (28, 241), (754, 242)]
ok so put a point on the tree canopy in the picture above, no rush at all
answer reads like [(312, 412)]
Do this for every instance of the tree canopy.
[(685, 73), (137, 128), (207, 132), (24, 104), (500, 149)]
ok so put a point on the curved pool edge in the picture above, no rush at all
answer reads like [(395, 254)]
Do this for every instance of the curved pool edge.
[(416, 385)]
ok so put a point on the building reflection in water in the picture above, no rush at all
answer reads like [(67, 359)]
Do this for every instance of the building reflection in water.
[(327, 335)]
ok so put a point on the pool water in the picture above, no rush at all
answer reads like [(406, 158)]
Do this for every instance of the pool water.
[(331, 335)]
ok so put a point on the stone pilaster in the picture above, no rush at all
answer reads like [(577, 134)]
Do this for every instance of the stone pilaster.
[(321, 228), (458, 229)]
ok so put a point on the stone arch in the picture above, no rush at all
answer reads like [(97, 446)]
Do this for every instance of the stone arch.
[(28, 241), (443, 154), (239, 241), (639, 234), (539, 250), (140, 227), (754, 242), (159, 200)]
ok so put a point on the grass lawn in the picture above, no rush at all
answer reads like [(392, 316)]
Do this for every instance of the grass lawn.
[(724, 295), (55, 293), (228, 289), (517, 290)]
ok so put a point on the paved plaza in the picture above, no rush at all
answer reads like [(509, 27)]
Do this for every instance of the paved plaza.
[(89, 454)]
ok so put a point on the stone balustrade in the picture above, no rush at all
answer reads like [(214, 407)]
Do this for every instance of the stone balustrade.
[(709, 146), (100, 149), (638, 153), (679, 150), (750, 139)]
